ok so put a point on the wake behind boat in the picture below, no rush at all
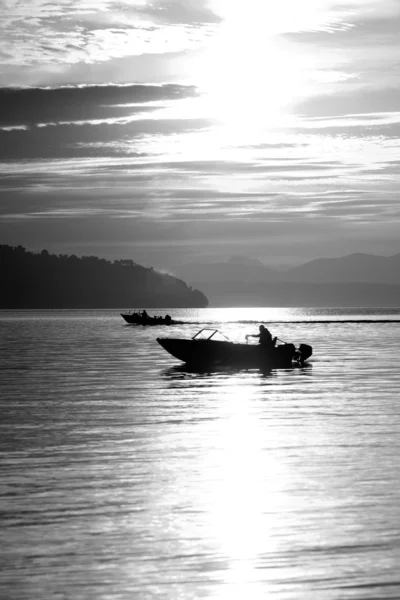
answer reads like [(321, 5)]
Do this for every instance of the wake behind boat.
[(142, 318), (210, 347)]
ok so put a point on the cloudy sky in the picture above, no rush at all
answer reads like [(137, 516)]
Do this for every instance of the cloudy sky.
[(181, 130)]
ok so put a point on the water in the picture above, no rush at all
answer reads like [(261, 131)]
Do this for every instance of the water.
[(124, 475)]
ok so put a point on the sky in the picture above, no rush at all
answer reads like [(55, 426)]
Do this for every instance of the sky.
[(184, 131)]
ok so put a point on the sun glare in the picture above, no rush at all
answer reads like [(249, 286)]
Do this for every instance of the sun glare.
[(249, 76)]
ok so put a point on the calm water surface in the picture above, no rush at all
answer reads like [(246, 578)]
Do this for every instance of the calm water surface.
[(123, 475)]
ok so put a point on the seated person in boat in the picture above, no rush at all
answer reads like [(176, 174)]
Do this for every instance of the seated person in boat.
[(265, 337)]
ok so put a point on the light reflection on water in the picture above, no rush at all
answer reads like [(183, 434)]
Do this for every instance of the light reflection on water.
[(260, 314), (126, 475)]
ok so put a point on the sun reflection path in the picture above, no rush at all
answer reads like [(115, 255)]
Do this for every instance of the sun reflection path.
[(247, 496)]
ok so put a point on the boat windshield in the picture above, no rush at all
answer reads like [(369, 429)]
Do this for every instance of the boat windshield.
[(207, 334)]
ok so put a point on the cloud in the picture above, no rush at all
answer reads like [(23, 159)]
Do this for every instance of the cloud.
[(173, 11), (359, 101), (68, 32), (89, 120), (290, 131), (91, 139), (364, 57), (21, 106)]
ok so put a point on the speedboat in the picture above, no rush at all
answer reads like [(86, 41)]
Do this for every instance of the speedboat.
[(211, 347), (137, 318)]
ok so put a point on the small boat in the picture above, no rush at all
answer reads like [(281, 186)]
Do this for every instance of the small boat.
[(138, 318), (207, 348)]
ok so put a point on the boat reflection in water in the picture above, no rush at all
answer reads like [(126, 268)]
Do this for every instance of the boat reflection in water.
[(191, 372), (209, 347)]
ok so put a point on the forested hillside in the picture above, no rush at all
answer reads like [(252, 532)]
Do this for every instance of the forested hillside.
[(30, 280)]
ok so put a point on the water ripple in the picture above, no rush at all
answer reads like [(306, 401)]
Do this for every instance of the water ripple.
[(127, 475)]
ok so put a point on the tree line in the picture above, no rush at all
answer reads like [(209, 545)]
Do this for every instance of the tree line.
[(43, 280)]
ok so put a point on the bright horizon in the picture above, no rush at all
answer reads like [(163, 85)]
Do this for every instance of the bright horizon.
[(175, 131)]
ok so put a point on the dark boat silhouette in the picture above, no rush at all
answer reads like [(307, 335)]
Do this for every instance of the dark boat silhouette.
[(205, 348), (138, 318)]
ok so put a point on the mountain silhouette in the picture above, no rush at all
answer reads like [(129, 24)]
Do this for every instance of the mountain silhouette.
[(226, 272), (354, 280), (239, 259), (30, 280), (353, 268)]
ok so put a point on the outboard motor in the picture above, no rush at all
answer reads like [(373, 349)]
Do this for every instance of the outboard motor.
[(286, 352), (305, 352)]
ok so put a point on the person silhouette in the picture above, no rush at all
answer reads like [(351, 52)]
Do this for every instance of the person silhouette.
[(264, 336)]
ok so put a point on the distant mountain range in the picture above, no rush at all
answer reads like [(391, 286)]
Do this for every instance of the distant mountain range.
[(30, 280), (353, 280), (354, 268)]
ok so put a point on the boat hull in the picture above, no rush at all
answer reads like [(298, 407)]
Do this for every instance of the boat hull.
[(135, 319), (213, 352)]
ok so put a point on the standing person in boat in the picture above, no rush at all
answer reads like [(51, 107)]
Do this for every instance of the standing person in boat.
[(265, 337)]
